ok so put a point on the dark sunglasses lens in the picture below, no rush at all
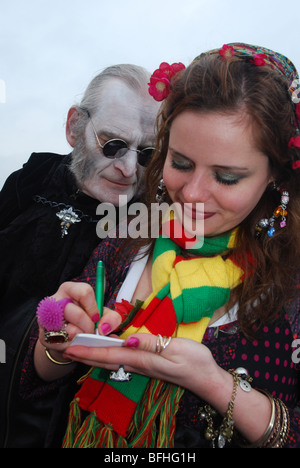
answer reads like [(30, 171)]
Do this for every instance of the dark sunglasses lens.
[(145, 155), (114, 148)]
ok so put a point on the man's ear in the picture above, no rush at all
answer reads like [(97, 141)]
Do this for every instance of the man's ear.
[(73, 116)]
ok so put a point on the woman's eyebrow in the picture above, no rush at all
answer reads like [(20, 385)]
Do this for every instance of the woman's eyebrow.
[(178, 153), (232, 168)]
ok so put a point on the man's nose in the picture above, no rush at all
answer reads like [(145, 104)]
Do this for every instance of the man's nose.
[(127, 164)]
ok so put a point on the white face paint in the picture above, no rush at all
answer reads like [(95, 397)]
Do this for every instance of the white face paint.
[(126, 115)]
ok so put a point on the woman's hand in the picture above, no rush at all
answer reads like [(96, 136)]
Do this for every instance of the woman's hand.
[(186, 363), (80, 316), (183, 362)]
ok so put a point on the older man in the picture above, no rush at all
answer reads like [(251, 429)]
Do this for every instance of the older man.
[(48, 219)]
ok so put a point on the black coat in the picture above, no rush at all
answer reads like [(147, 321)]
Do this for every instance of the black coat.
[(35, 260)]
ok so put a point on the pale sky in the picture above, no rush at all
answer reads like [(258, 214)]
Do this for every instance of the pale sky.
[(51, 49)]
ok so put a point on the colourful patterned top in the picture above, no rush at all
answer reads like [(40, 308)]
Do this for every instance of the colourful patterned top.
[(269, 358)]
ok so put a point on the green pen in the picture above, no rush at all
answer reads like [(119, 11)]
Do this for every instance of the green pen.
[(99, 291)]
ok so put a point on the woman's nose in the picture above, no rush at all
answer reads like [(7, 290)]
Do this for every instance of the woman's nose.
[(196, 189)]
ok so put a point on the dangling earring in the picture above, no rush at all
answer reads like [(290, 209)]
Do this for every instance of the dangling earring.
[(161, 192), (280, 211)]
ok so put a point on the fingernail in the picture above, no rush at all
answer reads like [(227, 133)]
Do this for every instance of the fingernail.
[(133, 342), (105, 328), (95, 318)]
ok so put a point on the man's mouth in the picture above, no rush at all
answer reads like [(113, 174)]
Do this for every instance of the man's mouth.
[(119, 183)]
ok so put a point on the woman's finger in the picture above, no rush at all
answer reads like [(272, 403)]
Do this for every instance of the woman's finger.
[(82, 294), (110, 321), (78, 318), (148, 342)]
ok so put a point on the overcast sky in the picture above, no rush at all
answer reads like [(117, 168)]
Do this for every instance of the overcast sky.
[(51, 49)]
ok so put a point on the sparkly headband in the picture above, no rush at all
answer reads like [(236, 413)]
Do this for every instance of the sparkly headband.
[(259, 56), (160, 81)]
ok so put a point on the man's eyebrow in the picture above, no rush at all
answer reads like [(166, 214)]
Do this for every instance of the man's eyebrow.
[(109, 135)]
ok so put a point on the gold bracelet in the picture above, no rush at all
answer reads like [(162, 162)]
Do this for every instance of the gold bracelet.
[(225, 432), (60, 363)]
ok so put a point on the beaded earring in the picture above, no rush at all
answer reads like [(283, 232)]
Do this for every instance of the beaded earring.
[(161, 192), (265, 223)]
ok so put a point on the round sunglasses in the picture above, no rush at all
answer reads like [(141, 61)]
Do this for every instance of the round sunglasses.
[(117, 148)]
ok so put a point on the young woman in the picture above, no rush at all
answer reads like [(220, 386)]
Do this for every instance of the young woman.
[(211, 321)]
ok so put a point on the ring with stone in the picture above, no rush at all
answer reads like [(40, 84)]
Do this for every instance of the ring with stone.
[(50, 315)]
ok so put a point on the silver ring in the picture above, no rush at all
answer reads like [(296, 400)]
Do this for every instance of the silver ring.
[(162, 343)]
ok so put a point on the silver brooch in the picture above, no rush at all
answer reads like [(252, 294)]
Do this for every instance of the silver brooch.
[(67, 217), (120, 375)]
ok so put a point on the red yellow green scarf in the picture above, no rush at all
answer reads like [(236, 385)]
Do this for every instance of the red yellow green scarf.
[(186, 292)]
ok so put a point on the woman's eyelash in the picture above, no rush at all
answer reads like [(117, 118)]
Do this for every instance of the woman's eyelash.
[(180, 166), (228, 179), (222, 178)]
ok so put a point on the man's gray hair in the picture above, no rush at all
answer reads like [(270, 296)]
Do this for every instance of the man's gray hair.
[(136, 77)]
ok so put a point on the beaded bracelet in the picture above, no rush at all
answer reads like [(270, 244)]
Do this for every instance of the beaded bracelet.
[(60, 363)]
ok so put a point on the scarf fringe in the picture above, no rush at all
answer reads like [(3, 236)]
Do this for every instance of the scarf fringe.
[(73, 424), (160, 404)]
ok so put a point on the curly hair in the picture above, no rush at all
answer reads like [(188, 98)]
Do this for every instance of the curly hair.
[(236, 86)]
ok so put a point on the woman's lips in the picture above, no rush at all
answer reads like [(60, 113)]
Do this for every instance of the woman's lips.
[(196, 212)]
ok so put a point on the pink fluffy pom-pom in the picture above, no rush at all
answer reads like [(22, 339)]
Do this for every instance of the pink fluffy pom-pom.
[(50, 313)]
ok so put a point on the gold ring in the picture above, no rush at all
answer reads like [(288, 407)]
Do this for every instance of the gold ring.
[(162, 343), (55, 337)]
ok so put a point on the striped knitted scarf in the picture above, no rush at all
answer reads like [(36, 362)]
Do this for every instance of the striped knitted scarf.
[(186, 292)]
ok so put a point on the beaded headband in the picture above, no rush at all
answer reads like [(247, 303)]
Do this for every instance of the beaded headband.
[(160, 81)]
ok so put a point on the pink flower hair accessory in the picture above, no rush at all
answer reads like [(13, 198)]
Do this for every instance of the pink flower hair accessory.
[(294, 142), (50, 315), (227, 51), (259, 60), (160, 81), (296, 165)]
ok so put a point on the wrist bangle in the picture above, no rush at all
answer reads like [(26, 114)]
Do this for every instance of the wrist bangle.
[(60, 363), (277, 431)]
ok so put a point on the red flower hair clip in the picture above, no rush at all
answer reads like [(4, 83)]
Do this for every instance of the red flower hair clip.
[(259, 60), (160, 81), (296, 165), (294, 142), (227, 51)]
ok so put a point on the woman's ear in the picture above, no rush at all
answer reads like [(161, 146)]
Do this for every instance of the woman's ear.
[(73, 116)]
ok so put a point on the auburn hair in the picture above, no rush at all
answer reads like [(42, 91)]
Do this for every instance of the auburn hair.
[(236, 86)]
